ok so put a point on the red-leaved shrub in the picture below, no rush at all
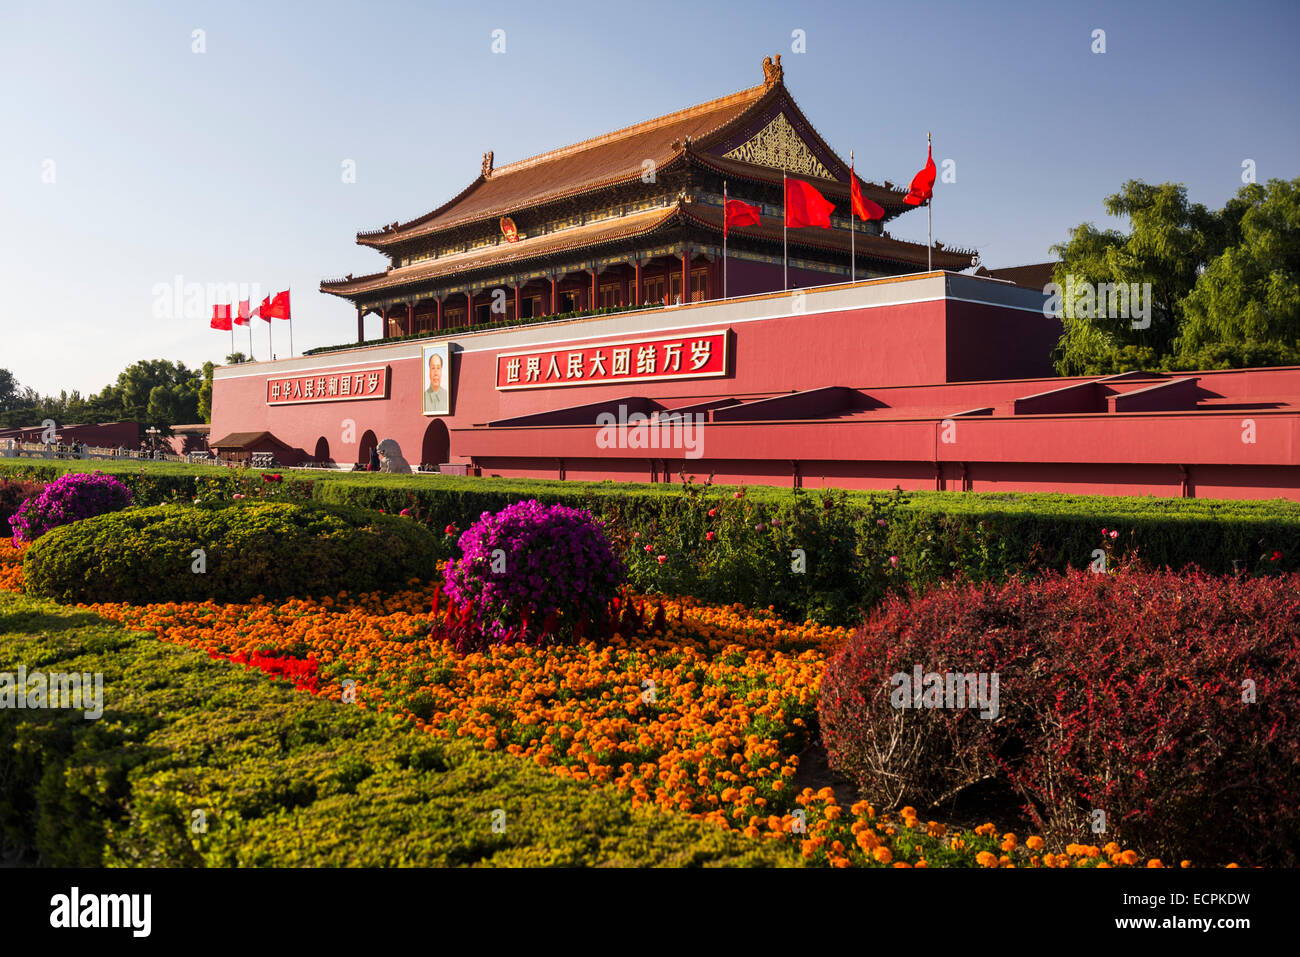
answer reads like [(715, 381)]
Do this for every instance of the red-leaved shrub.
[(1171, 702)]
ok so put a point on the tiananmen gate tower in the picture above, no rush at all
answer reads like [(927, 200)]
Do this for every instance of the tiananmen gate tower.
[(632, 217)]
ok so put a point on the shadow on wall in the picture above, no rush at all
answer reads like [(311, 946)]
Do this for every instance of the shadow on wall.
[(368, 443), (436, 448)]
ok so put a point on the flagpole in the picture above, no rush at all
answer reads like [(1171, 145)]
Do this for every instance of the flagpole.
[(724, 239), (929, 219), (853, 259), (785, 248), (270, 349), (232, 335), (250, 337)]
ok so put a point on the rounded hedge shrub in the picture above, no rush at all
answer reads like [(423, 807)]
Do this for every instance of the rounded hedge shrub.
[(69, 498), (535, 573), (1169, 701), (274, 549)]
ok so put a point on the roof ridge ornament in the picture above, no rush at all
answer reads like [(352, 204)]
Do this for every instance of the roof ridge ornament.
[(772, 71), (487, 164)]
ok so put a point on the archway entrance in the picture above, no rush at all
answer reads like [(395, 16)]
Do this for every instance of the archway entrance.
[(368, 442), (322, 454), (436, 448)]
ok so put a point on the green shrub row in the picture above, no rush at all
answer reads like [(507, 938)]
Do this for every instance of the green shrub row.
[(229, 552), (830, 555), (281, 778), (846, 554)]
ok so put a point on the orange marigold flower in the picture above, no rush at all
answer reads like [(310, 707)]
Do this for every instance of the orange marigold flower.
[(985, 859), (867, 840), (882, 855)]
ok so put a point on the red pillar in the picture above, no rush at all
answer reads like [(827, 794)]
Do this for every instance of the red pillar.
[(410, 318), (383, 330), (555, 296), (595, 298), (438, 320), (361, 325), (469, 308), (686, 276), (516, 302), (636, 284)]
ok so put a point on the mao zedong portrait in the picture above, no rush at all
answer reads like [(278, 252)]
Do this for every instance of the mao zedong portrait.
[(435, 394)]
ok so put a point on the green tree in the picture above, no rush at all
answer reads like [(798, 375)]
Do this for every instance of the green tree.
[(9, 392), (205, 393), (1245, 307), (1170, 241), (154, 392)]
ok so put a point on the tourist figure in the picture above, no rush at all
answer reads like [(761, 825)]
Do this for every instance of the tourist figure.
[(390, 453), (374, 460)]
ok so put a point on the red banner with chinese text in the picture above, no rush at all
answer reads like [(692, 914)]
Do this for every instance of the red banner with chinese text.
[(690, 355), (333, 386)]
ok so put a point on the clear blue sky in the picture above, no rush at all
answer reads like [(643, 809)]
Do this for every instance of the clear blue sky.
[(225, 166)]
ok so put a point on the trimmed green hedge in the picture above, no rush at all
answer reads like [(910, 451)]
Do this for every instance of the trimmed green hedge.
[(933, 534), (284, 779), (267, 548)]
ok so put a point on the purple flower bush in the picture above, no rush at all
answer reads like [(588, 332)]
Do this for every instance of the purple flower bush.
[(69, 498), (535, 573)]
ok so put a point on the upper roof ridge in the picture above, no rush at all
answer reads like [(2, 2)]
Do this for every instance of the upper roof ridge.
[(722, 102)]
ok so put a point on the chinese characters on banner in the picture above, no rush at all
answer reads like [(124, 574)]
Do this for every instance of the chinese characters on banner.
[(332, 386), (691, 355)]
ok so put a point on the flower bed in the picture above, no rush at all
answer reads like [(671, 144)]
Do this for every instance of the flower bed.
[(11, 564), (279, 778), (703, 715)]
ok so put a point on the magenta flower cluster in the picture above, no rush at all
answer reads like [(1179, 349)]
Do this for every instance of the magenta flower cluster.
[(67, 499), (535, 572)]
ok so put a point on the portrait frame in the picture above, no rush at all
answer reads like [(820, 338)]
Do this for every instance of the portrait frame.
[(428, 403)]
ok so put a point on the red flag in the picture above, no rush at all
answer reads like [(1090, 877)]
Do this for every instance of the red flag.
[(264, 310), (221, 318), (804, 206), (277, 308), (241, 319), (864, 208), (922, 187), (740, 214)]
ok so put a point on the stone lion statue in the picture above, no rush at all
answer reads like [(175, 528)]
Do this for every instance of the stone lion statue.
[(390, 458)]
